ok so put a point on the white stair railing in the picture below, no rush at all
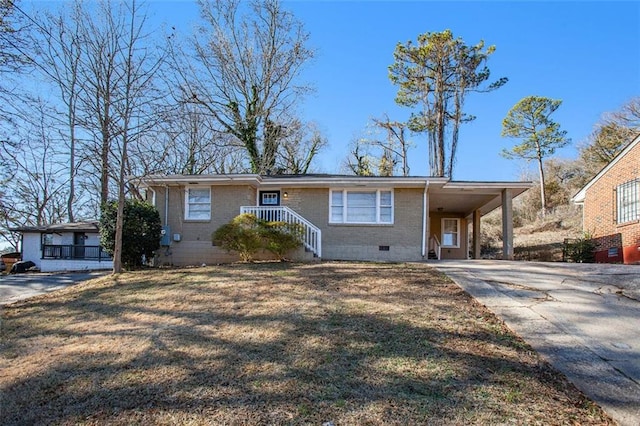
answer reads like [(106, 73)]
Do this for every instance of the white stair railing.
[(435, 246), (311, 235)]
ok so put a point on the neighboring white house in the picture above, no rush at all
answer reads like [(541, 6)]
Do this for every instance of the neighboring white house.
[(64, 247)]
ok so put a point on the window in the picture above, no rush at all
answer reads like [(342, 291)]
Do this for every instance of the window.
[(361, 206), (198, 204), (628, 201), (47, 239), (270, 198), (451, 233)]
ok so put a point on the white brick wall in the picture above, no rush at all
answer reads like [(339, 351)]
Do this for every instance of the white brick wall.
[(55, 265)]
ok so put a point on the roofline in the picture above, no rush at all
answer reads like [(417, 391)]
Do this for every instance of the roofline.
[(198, 179), (580, 195), (311, 181), (329, 180), (489, 184), (85, 226)]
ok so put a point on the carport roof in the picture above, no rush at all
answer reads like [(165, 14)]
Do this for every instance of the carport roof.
[(465, 197)]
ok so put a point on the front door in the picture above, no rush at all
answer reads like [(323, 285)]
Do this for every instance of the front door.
[(269, 199), (78, 245)]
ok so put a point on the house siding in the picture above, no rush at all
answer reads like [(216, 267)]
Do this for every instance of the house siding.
[(32, 250), (436, 229), (362, 242), (339, 241), (600, 212), (53, 265), (195, 246)]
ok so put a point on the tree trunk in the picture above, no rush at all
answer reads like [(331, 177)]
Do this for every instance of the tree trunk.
[(543, 196), (104, 162), (72, 163)]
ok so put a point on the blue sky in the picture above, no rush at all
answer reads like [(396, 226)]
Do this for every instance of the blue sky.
[(586, 53)]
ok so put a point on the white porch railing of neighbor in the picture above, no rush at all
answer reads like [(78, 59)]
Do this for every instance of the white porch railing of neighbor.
[(311, 235)]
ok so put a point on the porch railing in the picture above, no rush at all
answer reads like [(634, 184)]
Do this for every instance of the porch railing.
[(435, 246), (75, 252), (311, 235)]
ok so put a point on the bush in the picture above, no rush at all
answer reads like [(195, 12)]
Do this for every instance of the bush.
[(280, 238), (580, 250), (140, 232), (246, 235), (241, 235)]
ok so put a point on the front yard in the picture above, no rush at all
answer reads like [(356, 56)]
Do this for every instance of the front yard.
[(271, 343)]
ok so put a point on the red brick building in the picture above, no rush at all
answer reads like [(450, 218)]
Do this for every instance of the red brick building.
[(611, 207)]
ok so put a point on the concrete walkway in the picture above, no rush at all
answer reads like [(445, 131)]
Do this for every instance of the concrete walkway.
[(16, 287), (582, 318)]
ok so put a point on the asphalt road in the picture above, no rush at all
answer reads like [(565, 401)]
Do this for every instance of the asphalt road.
[(583, 318), (14, 287)]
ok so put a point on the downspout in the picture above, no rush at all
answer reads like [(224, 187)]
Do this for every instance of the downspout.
[(424, 219), (166, 205), (166, 219)]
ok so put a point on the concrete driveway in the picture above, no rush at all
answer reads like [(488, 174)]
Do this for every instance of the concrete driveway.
[(16, 287), (583, 318)]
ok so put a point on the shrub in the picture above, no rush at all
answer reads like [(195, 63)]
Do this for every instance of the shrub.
[(140, 232), (280, 238), (241, 235), (581, 250), (246, 235)]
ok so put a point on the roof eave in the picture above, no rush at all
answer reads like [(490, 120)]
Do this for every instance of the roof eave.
[(581, 195)]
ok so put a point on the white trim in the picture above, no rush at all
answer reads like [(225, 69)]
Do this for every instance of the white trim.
[(344, 206), (425, 214), (187, 204), (457, 232), (580, 195), (153, 196)]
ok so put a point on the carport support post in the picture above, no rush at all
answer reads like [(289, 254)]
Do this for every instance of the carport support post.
[(507, 225), (476, 234)]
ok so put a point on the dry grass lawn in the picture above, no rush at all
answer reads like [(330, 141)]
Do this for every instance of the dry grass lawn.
[(348, 343)]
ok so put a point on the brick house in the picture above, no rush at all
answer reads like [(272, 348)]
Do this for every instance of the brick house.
[(611, 207), (344, 217)]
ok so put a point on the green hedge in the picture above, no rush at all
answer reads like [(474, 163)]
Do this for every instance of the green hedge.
[(246, 235)]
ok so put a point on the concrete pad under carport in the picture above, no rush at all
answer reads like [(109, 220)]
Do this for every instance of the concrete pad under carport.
[(584, 319)]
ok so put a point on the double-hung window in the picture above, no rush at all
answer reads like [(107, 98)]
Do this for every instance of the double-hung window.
[(361, 206), (628, 201), (197, 204), (451, 233)]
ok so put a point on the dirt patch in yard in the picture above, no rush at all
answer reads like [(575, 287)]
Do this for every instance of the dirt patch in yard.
[(270, 343)]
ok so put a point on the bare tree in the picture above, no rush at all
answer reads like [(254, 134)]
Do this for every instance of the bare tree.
[(246, 59), (395, 146), (58, 55), (299, 148), (36, 186), (359, 162), (610, 135)]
